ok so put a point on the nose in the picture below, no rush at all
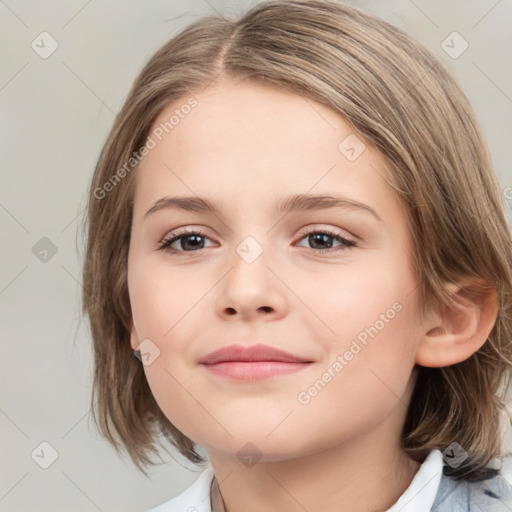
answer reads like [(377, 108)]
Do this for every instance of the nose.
[(251, 289)]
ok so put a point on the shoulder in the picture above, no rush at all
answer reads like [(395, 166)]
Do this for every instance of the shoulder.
[(195, 498), (491, 495)]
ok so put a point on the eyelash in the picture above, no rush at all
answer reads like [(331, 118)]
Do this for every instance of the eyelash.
[(346, 243)]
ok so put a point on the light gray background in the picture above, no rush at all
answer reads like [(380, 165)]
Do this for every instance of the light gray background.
[(55, 116)]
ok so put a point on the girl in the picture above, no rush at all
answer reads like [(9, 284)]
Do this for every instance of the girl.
[(295, 227)]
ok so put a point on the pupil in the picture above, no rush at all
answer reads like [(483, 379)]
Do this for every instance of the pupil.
[(319, 237), (185, 240)]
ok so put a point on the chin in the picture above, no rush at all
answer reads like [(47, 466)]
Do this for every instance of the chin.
[(250, 446)]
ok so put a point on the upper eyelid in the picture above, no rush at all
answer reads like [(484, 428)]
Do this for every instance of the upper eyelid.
[(315, 228), (177, 234)]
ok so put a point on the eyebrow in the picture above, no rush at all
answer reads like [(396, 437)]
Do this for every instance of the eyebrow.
[(296, 203)]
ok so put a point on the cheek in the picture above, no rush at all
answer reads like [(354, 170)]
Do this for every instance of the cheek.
[(163, 301), (374, 314), (174, 391), (166, 310), (361, 300), (352, 402)]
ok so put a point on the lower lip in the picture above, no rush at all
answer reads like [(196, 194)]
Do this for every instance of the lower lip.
[(254, 370)]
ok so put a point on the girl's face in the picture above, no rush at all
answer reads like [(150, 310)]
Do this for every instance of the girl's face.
[(260, 273)]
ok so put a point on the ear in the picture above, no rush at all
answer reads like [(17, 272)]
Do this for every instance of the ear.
[(134, 338), (461, 328)]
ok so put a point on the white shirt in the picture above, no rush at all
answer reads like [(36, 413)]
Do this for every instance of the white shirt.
[(418, 497)]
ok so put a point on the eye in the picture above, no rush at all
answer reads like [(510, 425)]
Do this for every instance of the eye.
[(191, 239), (320, 237)]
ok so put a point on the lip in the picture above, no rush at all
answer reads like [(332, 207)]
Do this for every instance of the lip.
[(254, 362), (251, 353)]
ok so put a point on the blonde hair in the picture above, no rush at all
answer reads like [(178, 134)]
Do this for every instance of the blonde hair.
[(406, 103)]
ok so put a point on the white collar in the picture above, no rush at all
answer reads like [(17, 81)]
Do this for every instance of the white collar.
[(421, 493), (418, 497)]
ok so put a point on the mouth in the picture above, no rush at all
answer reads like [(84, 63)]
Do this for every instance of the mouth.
[(252, 363), (254, 370)]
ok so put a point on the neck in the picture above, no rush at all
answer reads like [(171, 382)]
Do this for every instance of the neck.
[(364, 474)]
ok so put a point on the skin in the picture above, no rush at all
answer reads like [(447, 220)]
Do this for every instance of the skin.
[(245, 146)]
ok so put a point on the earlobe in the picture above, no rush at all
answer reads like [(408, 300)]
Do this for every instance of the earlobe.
[(456, 333)]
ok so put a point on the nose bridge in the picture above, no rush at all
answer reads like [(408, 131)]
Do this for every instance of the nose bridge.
[(249, 262), (251, 249), (250, 232)]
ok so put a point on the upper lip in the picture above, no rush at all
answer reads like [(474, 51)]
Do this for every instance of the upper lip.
[(250, 353)]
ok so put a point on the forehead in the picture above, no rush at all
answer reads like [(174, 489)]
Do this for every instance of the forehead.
[(251, 144)]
